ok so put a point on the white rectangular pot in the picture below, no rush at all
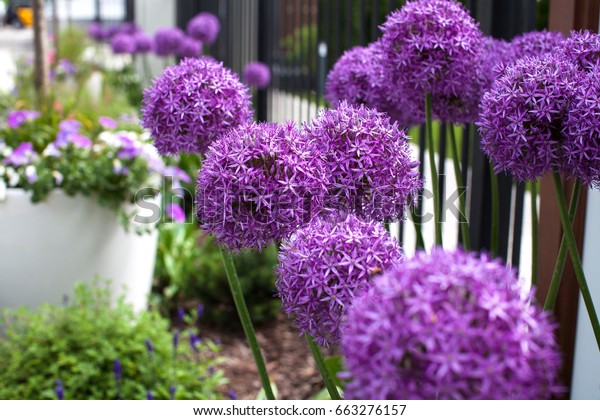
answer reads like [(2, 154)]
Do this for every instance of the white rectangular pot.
[(46, 248)]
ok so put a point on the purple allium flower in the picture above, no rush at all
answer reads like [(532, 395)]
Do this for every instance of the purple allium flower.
[(324, 265), (96, 31), (149, 395), (175, 213), (259, 183), (449, 325), (149, 347), (204, 27), (360, 77), (535, 43), (435, 47), (16, 118), (107, 122), (172, 391), (144, 43), (193, 103), (583, 48), (167, 40), (582, 135), (118, 370), (522, 116), (129, 28), (232, 395), (122, 44), (22, 155), (497, 53), (189, 47), (111, 31), (257, 74), (59, 390), (369, 161)]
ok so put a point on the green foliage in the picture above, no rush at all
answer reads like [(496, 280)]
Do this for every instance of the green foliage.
[(72, 42), (189, 267), (128, 81), (79, 342)]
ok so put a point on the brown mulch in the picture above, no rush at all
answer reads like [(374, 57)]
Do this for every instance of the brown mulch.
[(287, 355)]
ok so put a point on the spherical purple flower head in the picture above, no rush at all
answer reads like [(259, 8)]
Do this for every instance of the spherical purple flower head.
[(522, 116), (497, 54), (435, 47), (189, 47), (449, 325), (536, 43), (122, 44), (193, 103), (371, 169), (143, 43), (258, 183), (582, 136), (96, 31), (204, 27), (583, 48), (324, 265), (257, 74), (167, 40)]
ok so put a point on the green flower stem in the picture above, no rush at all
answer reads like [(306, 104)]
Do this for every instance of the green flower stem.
[(242, 309), (575, 258), (434, 175), (325, 374), (417, 224), (533, 186), (147, 71), (562, 253), (495, 212), (463, 222)]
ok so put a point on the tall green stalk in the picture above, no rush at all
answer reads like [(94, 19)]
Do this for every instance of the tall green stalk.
[(242, 309), (562, 253), (463, 222), (569, 236), (533, 186), (495, 232), (434, 175), (325, 374)]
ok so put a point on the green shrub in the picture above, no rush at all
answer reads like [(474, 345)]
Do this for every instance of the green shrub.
[(78, 343), (189, 268)]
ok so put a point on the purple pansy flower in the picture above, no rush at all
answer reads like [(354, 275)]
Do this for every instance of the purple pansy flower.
[(192, 104), (16, 118), (324, 265), (204, 27), (449, 325), (256, 74), (175, 213), (107, 122), (22, 155)]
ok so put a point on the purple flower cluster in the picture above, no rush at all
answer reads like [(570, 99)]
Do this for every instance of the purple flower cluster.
[(123, 44), (193, 103), (258, 183), (17, 118), (256, 74), (368, 161), (324, 265), (190, 47), (581, 147), (22, 155), (522, 116), (204, 27), (449, 325), (536, 43), (144, 43), (583, 49), (435, 47), (167, 40), (497, 54), (96, 31)]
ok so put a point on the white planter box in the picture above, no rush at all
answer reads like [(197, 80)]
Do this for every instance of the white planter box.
[(46, 248)]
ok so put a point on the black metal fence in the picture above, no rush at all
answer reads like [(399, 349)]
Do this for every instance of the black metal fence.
[(301, 40)]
